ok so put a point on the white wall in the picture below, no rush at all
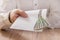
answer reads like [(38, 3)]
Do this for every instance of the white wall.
[(1, 1)]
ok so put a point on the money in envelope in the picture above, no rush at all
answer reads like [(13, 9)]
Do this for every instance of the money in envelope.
[(29, 24)]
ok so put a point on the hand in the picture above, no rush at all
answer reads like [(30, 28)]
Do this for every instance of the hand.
[(16, 13)]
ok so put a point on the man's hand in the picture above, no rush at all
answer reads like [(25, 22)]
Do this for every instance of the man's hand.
[(16, 13)]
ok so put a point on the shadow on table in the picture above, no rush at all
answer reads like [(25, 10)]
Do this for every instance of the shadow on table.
[(13, 34), (17, 34)]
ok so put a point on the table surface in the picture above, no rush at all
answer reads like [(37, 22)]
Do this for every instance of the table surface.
[(47, 34)]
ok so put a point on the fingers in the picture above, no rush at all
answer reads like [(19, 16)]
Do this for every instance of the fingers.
[(22, 14)]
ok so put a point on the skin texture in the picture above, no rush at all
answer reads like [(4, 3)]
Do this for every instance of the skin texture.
[(16, 13)]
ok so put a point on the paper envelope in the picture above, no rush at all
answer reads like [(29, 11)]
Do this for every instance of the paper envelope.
[(26, 23)]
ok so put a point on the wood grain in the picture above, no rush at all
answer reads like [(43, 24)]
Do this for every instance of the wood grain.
[(47, 34)]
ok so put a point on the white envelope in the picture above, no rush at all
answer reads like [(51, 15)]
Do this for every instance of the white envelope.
[(27, 23)]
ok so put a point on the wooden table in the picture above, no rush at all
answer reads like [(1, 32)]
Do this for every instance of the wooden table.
[(47, 34)]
